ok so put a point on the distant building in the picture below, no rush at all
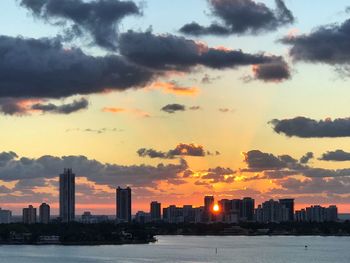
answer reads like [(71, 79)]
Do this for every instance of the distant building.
[(123, 204), (155, 211), (29, 215), (237, 207), (317, 214), (5, 216), (88, 218), (143, 217), (275, 211), (248, 206), (44, 213), (67, 196), (208, 206), (289, 205), (189, 214), (173, 214)]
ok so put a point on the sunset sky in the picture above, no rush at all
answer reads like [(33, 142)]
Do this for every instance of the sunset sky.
[(176, 99)]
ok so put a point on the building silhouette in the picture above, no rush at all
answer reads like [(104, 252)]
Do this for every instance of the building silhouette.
[(5, 216), (155, 211), (29, 215), (248, 206), (289, 205), (44, 213), (123, 205), (67, 196)]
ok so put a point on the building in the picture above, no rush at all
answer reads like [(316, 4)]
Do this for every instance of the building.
[(29, 215), (67, 196), (317, 214), (248, 206), (155, 211), (189, 214), (237, 207), (44, 213), (88, 218), (275, 211), (143, 217), (289, 205), (123, 205), (5, 216), (173, 214), (208, 206)]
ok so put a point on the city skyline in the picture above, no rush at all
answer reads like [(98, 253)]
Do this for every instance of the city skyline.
[(176, 100)]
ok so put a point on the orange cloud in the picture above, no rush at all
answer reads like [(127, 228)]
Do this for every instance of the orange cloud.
[(172, 88), (113, 110), (136, 112)]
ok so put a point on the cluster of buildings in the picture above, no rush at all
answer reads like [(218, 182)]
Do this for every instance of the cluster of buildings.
[(225, 210), (317, 214)]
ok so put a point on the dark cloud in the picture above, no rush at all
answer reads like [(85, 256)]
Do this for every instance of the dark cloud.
[(279, 167), (196, 29), (169, 52), (308, 128), (313, 186), (326, 44), (242, 17), (306, 158), (195, 108), (99, 19), (172, 108), (48, 167), (43, 68), (260, 161), (188, 149), (276, 71), (182, 149), (69, 108), (219, 175), (337, 156), (151, 153), (5, 157)]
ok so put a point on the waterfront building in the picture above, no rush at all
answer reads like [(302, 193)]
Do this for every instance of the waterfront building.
[(29, 215), (67, 196), (248, 206), (44, 213), (289, 205), (155, 210), (143, 217), (88, 218), (123, 205), (5, 216), (318, 214)]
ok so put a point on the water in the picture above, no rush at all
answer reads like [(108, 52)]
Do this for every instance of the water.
[(192, 249)]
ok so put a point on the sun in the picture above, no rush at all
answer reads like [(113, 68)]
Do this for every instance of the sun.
[(216, 208)]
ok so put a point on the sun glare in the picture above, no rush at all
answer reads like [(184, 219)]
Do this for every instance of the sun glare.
[(216, 208)]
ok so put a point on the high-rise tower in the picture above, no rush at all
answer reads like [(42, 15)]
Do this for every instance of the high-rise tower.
[(67, 196), (123, 205)]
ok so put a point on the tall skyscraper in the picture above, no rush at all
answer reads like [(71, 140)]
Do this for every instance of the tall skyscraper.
[(67, 196), (123, 203), (29, 215), (44, 213), (155, 211), (289, 205), (248, 205)]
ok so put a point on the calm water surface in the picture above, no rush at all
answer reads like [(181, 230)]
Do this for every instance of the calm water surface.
[(192, 249)]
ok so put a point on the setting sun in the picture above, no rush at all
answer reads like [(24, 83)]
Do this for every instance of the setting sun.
[(216, 208)]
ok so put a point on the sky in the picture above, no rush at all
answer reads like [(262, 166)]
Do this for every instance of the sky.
[(176, 99)]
